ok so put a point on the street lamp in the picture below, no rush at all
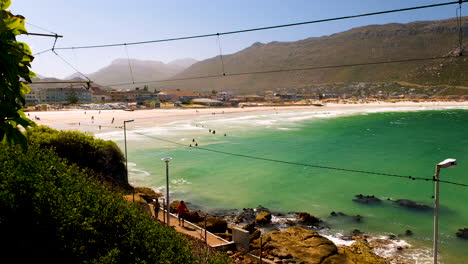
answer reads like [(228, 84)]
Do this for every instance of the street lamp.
[(448, 163), (126, 160), (167, 188)]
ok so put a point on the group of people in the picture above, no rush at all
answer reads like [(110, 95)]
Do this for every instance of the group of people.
[(182, 210)]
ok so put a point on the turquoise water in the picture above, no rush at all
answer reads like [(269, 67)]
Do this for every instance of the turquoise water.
[(404, 143)]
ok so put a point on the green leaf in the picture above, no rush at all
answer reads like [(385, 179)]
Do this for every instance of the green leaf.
[(4, 4)]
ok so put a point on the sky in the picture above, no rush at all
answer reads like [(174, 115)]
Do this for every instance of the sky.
[(97, 22)]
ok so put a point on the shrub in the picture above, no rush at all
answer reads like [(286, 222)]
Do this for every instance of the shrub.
[(55, 213), (101, 156)]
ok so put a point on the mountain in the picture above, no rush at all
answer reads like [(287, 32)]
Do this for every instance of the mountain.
[(373, 43), (118, 72)]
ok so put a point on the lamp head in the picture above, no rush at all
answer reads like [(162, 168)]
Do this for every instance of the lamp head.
[(166, 159), (448, 163), (127, 121)]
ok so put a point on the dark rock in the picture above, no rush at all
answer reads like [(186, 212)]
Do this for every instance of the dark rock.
[(356, 232), (366, 199), (308, 219), (250, 227), (194, 217), (214, 224), (337, 214), (255, 235), (408, 232), (357, 218), (263, 218), (247, 215), (463, 233), (412, 205)]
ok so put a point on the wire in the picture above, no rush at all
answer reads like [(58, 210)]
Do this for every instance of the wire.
[(41, 28), (287, 70), (302, 164), (69, 64), (221, 56), (270, 27), (129, 64), (287, 162), (39, 53)]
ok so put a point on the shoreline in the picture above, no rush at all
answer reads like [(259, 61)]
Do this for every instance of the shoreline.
[(97, 121), (149, 118)]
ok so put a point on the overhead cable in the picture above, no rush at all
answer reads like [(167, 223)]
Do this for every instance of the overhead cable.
[(267, 28), (287, 70), (300, 164)]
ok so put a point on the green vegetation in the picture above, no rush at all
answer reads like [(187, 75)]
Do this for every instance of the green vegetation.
[(16, 58), (52, 212), (103, 157)]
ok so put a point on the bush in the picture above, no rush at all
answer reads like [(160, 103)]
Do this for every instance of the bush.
[(55, 213), (101, 156)]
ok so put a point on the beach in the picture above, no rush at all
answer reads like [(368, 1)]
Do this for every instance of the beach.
[(96, 121)]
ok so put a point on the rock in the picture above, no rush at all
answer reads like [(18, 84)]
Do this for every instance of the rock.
[(463, 233), (247, 215), (337, 214), (303, 244), (229, 252), (194, 217), (250, 227), (412, 205), (360, 252), (308, 219), (356, 232), (408, 233), (263, 218), (214, 224), (357, 218), (366, 199)]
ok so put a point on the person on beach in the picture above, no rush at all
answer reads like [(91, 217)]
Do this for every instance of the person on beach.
[(181, 211), (112, 121)]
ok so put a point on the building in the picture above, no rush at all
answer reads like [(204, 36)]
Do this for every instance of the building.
[(176, 95), (207, 102), (59, 95)]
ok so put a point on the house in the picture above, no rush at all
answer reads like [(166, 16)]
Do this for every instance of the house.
[(207, 102), (176, 95)]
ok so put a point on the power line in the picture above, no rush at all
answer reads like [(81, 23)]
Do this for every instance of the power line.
[(288, 70), (41, 28), (270, 27), (69, 64), (302, 164)]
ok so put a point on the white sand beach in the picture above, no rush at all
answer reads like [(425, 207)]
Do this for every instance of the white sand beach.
[(94, 121)]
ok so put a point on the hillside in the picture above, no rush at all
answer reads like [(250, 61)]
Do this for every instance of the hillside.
[(374, 43), (118, 71)]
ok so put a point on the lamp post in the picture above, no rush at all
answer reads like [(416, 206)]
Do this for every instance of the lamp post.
[(167, 188), (448, 163), (126, 160)]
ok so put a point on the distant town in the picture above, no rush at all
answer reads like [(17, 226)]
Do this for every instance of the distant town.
[(138, 98)]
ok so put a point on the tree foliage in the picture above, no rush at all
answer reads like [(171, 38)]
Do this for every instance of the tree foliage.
[(102, 156), (16, 58), (55, 213)]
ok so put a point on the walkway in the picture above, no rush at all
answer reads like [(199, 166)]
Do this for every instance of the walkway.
[(191, 229)]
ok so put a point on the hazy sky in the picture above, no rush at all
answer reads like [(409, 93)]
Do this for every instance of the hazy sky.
[(95, 22)]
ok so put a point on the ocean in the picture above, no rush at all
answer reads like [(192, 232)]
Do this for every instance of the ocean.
[(312, 161)]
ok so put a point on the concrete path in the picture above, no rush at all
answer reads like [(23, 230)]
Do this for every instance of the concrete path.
[(191, 229)]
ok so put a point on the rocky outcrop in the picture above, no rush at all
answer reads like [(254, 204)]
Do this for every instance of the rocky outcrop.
[(308, 219), (412, 205), (366, 199), (463, 233), (263, 218), (300, 245)]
